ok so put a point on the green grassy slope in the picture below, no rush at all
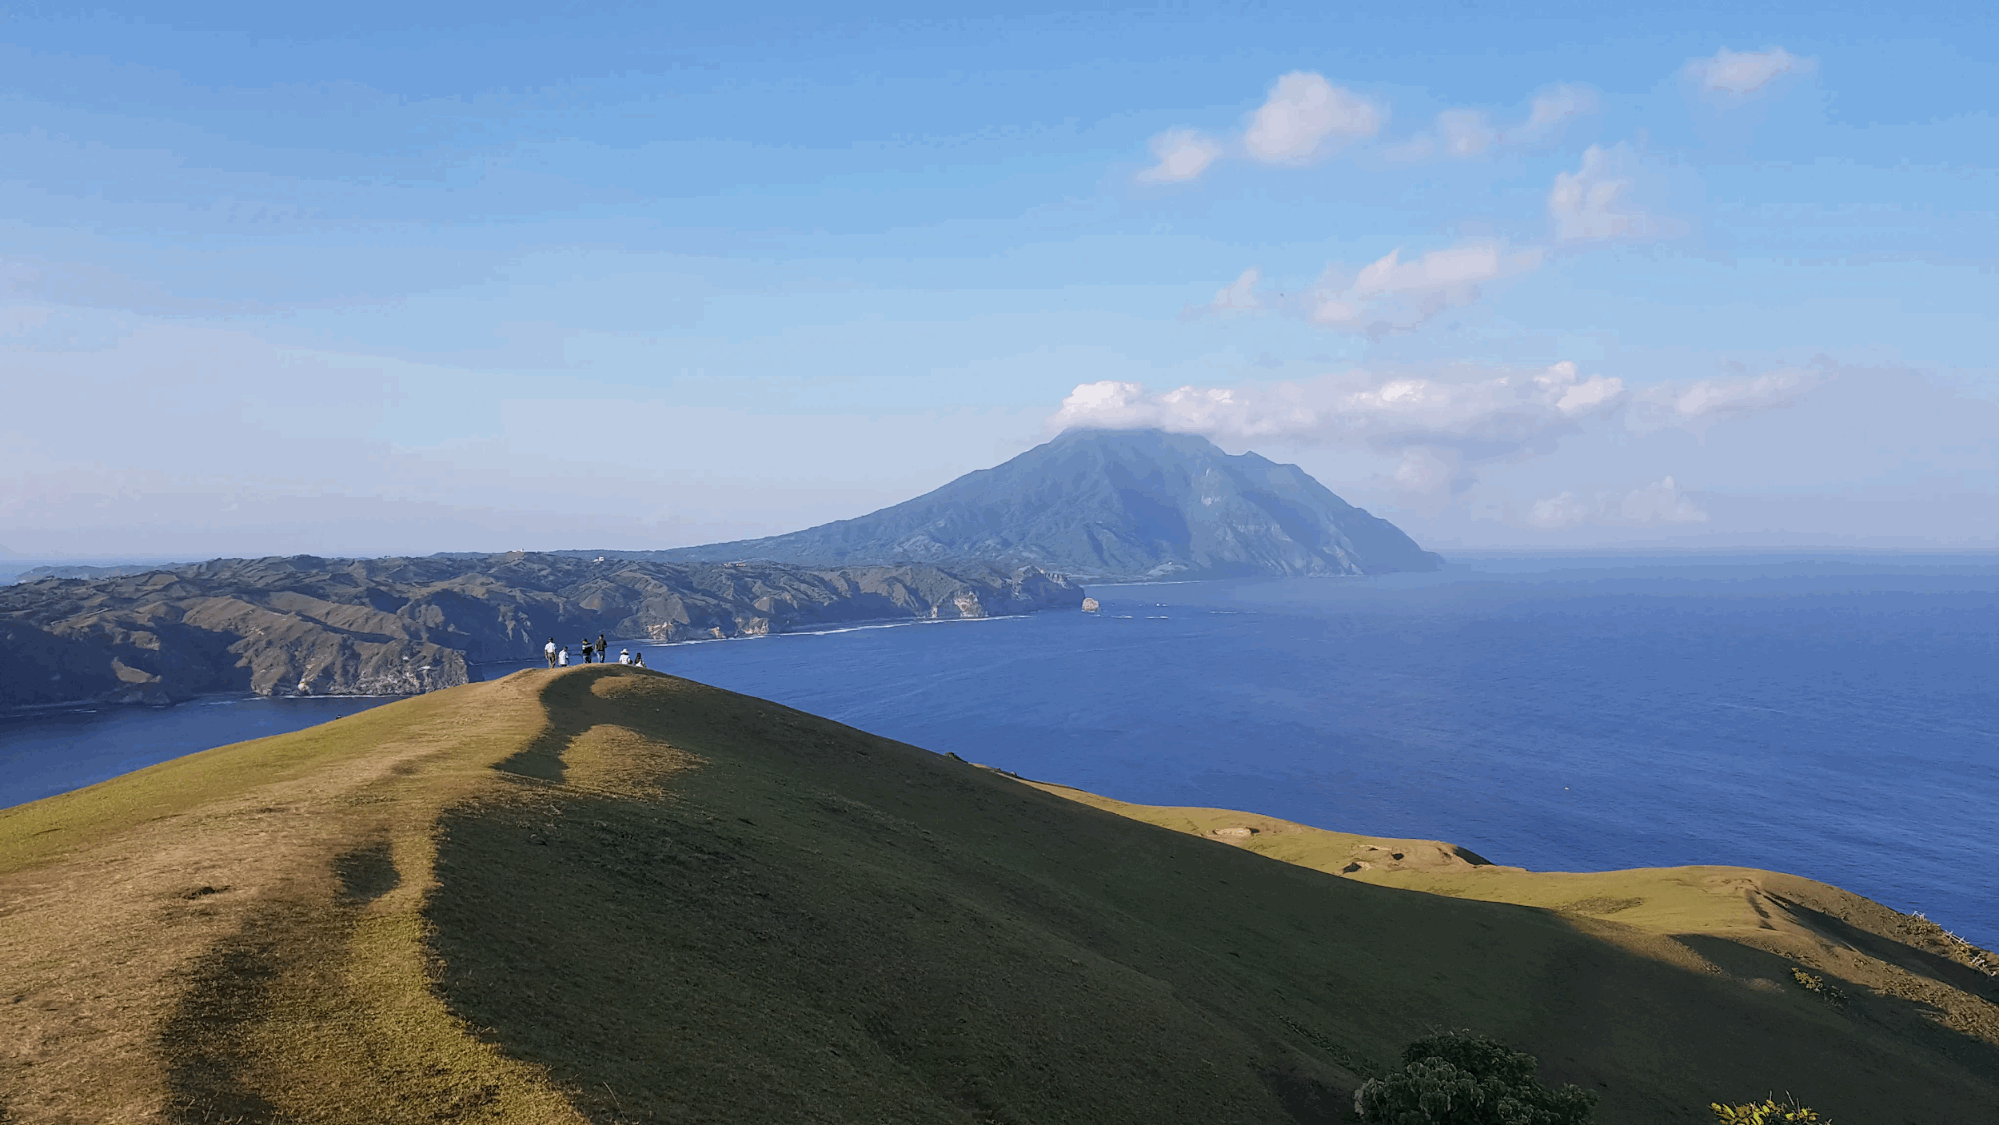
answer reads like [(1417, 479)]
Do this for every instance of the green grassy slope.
[(607, 893)]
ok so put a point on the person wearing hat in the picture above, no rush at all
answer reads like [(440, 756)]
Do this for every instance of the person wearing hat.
[(624, 656)]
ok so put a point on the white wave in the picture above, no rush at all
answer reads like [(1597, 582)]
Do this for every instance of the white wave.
[(1152, 582), (831, 629)]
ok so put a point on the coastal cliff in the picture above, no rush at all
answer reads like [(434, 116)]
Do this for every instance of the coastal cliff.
[(309, 626)]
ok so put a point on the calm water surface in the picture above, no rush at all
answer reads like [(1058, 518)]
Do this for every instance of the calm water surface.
[(47, 753), (1834, 718)]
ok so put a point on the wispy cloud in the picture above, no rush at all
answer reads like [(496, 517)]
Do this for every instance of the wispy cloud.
[(1738, 74), (87, 285), (1601, 200), (1699, 405), (1661, 502), (1551, 114), (1306, 119), (1239, 296), (1391, 294), (1182, 154), (1468, 134)]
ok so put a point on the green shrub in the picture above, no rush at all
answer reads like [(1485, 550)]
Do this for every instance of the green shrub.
[(1767, 1113), (1458, 1077)]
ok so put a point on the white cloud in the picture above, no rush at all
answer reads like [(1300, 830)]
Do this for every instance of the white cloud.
[(1740, 73), (1430, 471), (1239, 296), (1443, 429), (1712, 399), (1466, 133), (1661, 502), (1307, 117), (1599, 200), (1460, 265), (1698, 405), (1182, 154), (1551, 114), (1391, 294)]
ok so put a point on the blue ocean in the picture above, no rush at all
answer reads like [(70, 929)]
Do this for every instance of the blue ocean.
[(1833, 717)]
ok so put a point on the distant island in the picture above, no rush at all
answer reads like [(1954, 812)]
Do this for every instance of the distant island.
[(1091, 505), (304, 625), (84, 571), (1102, 505)]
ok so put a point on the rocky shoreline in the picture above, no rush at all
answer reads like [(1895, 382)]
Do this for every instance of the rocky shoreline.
[(304, 625)]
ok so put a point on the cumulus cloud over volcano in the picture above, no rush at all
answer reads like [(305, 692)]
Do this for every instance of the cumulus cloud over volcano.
[(1442, 428)]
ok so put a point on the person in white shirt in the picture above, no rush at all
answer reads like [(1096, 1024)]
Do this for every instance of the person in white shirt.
[(562, 656), (624, 656), (549, 652)]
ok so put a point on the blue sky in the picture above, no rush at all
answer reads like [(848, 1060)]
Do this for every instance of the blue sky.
[(418, 278)]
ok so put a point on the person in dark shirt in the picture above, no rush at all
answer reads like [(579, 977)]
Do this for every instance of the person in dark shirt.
[(603, 650), (587, 650)]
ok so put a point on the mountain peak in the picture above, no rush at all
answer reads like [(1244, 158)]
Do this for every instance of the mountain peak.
[(1113, 504)]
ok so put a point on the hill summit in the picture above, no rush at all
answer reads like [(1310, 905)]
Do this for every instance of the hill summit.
[(608, 894), (1111, 504)]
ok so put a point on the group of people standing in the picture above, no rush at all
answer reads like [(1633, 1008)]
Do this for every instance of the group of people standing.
[(599, 652)]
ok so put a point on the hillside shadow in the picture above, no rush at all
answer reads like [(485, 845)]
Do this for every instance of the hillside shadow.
[(205, 1042), (825, 925), (1911, 1007), (1913, 958), (367, 874), (542, 756), (1307, 1098)]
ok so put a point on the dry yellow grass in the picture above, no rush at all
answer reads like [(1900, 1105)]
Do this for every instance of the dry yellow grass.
[(1760, 927), (606, 893)]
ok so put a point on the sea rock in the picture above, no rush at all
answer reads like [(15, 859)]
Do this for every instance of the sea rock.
[(1091, 606)]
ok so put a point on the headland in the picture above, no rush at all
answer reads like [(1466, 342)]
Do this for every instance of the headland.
[(609, 893)]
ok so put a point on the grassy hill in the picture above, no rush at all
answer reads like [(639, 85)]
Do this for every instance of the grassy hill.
[(605, 893)]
